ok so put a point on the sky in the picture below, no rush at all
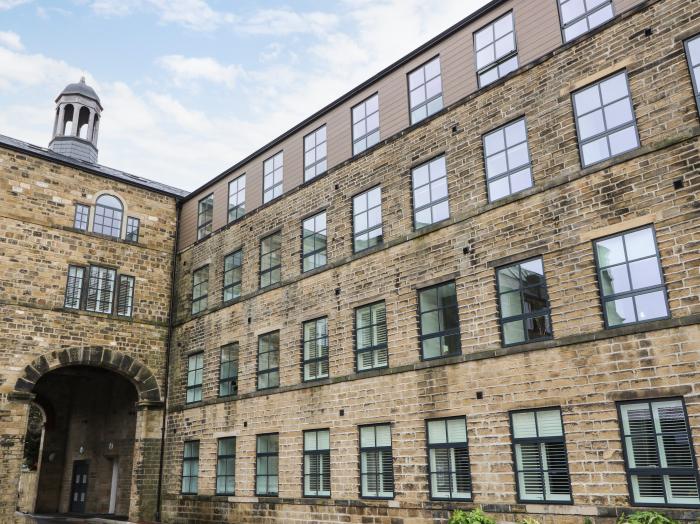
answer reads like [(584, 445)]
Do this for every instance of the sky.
[(190, 87)]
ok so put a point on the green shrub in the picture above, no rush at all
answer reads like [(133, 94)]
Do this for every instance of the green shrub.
[(645, 517), (475, 516), (528, 520)]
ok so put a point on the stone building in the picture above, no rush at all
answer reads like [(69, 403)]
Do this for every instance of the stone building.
[(472, 280)]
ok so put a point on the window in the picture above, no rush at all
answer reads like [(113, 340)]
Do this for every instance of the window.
[(228, 370), (100, 289), (125, 296), (439, 321), (370, 337), (270, 260), (507, 160), (267, 464), (226, 466), (232, 275), (632, 287), (692, 51), (269, 360), (430, 204), (541, 465), (605, 120), (524, 303), (315, 153), (315, 349), (448, 459), (82, 215), (108, 216), (580, 16), (425, 90), (200, 289), (236, 198), (273, 170), (317, 463), (74, 287), (496, 51), (376, 462), (195, 367), (205, 213), (365, 124), (659, 454), (367, 219), (190, 467), (132, 229), (313, 242)]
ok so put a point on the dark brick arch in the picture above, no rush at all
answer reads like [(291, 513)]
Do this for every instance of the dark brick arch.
[(97, 356)]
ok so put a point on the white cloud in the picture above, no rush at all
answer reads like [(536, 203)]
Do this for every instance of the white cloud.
[(9, 4), (20, 70), (185, 70), (283, 22), (11, 40)]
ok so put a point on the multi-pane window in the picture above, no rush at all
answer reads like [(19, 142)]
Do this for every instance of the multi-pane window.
[(448, 459), (367, 219), (507, 160), (376, 462), (313, 242), (200, 289), (270, 260), (317, 463), (108, 216), (273, 171), (496, 51), (74, 287), (315, 349), (632, 286), (133, 225), (269, 360), (195, 368), (365, 124), (267, 464), (541, 465), (226, 466), (605, 120), (82, 216), (190, 467), (205, 214), (524, 303), (315, 153), (580, 16), (439, 321), (125, 296), (692, 50), (233, 266), (425, 90), (430, 199), (228, 370), (236, 198), (370, 337), (659, 454), (100, 289)]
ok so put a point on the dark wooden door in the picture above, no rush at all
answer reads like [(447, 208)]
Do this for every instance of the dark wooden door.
[(78, 490)]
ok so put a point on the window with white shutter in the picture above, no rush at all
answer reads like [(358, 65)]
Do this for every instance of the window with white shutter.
[(74, 287), (125, 296), (317, 463), (315, 349), (370, 337), (100, 289), (659, 456), (448, 459), (376, 462), (541, 465)]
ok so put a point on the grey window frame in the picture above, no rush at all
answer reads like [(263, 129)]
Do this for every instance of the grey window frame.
[(196, 385), (267, 475), (585, 16), (523, 316), (271, 269), (268, 371), (607, 133), (89, 288), (356, 139), (510, 171), (380, 226), (372, 327), (497, 62), (74, 286), (452, 469), (427, 101), (100, 212), (322, 454), (205, 218), (315, 234), (432, 204), (125, 304), (452, 332), (378, 450), (193, 460), (319, 165), (319, 361), (273, 171), (238, 210), (133, 227), (200, 302), (81, 217), (695, 82), (235, 267), (632, 292), (228, 370), (227, 459)]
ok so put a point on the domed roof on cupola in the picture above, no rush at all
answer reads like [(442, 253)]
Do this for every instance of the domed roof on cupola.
[(80, 88)]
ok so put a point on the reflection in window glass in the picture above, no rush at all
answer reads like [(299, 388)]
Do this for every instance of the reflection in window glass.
[(108, 216), (365, 124), (507, 160), (267, 465), (425, 90), (273, 171), (367, 219), (692, 50), (270, 260), (236, 198), (313, 242), (496, 52), (439, 321), (430, 199), (269, 360), (580, 16), (315, 154)]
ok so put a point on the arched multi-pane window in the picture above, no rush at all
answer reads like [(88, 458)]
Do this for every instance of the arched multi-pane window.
[(108, 216)]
